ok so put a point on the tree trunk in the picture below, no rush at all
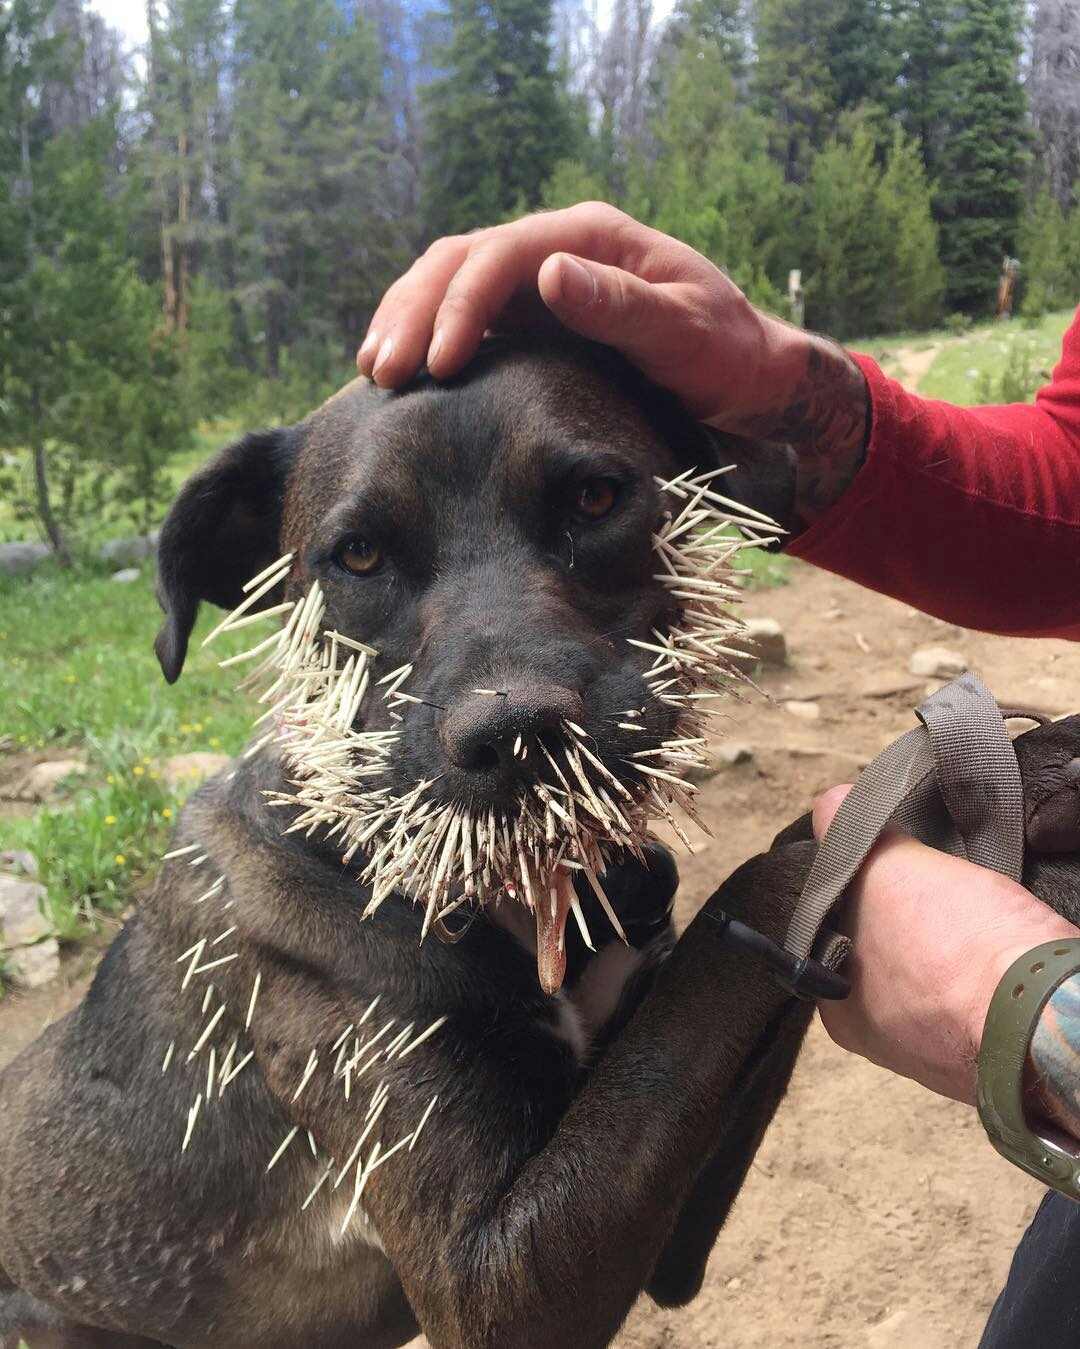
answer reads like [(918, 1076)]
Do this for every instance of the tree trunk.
[(56, 536)]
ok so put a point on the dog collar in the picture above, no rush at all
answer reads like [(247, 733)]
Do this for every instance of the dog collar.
[(1014, 1012)]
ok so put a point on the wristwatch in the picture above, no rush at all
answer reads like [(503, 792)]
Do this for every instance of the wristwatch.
[(1014, 1012)]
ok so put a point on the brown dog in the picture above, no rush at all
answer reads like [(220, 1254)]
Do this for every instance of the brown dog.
[(272, 1123)]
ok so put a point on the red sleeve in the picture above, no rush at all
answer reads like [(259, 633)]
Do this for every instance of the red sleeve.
[(972, 514)]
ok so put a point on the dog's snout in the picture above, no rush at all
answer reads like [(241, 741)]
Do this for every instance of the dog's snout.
[(484, 733)]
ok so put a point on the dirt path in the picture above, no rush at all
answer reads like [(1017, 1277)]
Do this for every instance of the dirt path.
[(875, 1215)]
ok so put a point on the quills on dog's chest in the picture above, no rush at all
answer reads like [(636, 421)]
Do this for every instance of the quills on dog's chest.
[(573, 815), (355, 1061)]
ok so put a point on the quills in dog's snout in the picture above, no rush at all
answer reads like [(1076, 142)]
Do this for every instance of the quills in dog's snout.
[(315, 683)]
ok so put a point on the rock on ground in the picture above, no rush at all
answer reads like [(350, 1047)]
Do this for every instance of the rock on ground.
[(937, 662), (763, 642), (187, 769), (126, 575), (802, 708), (19, 559), (43, 780), (720, 757), (33, 953), (129, 551)]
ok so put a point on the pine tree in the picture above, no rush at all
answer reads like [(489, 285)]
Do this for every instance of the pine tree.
[(494, 122), (983, 157), (794, 86), (845, 237), (914, 279), (1047, 278), (923, 98)]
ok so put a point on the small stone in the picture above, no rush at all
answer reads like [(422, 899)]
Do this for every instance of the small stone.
[(34, 954), (16, 863), (805, 711), (734, 1284), (937, 662), (835, 612), (719, 758), (126, 575), (45, 779), (763, 642), (184, 770), (19, 559), (127, 551), (889, 688)]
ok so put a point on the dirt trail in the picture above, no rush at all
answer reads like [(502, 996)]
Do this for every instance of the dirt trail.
[(876, 1215)]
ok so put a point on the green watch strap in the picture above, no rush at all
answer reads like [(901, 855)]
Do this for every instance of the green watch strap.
[(1013, 1014)]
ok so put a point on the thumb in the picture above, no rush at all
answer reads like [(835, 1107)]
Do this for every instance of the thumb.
[(825, 808), (609, 305)]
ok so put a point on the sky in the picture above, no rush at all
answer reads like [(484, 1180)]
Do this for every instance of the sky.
[(130, 15), (127, 15)]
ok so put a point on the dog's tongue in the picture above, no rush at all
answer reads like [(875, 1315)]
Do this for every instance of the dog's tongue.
[(552, 909)]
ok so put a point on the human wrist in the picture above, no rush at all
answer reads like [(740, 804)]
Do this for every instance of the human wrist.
[(818, 402)]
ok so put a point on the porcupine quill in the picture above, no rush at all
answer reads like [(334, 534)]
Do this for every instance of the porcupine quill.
[(314, 683)]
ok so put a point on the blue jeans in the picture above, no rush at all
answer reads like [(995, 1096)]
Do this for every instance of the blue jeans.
[(1039, 1307)]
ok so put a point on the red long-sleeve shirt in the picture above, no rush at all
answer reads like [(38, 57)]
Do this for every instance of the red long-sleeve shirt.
[(972, 514)]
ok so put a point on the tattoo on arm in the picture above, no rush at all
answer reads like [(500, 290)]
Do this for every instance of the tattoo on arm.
[(1055, 1055), (827, 422)]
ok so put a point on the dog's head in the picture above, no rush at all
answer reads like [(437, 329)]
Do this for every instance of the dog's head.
[(502, 628)]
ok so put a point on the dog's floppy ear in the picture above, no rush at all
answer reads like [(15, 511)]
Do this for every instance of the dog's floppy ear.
[(763, 476), (222, 529)]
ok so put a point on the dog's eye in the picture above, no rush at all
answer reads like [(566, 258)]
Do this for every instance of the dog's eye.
[(595, 498), (359, 557)]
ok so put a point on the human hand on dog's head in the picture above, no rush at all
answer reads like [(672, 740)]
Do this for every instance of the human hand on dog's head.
[(932, 936), (678, 318)]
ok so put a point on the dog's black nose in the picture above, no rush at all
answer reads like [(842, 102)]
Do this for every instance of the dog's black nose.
[(485, 733)]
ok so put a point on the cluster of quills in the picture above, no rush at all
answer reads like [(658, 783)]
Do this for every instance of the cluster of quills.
[(356, 1059), (572, 816)]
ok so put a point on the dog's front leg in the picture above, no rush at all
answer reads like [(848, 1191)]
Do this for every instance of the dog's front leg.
[(504, 1244)]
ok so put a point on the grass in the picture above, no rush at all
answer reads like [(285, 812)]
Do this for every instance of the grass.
[(117, 519), (77, 671), (970, 363)]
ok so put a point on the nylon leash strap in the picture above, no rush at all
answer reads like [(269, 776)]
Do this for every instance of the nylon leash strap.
[(952, 782)]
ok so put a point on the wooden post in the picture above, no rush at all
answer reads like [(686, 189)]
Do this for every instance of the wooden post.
[(796, 297)]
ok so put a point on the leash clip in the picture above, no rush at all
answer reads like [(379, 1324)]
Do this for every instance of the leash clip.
[(803, 976)]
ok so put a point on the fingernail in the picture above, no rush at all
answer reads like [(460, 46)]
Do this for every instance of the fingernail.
[(435, 348), (385, 352), (368, 343), (578, 283)]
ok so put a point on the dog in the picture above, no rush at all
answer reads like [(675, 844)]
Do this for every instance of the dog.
[(274, 1121)]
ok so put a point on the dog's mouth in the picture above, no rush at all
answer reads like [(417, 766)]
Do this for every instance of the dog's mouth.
[(572, 815)]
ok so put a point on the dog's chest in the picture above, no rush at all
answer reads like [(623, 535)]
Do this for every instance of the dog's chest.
[(583, 1009)]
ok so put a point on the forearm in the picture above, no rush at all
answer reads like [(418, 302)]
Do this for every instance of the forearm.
[(986, 497)]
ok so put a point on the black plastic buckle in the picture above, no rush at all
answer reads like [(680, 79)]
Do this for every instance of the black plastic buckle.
[(804, 976)]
